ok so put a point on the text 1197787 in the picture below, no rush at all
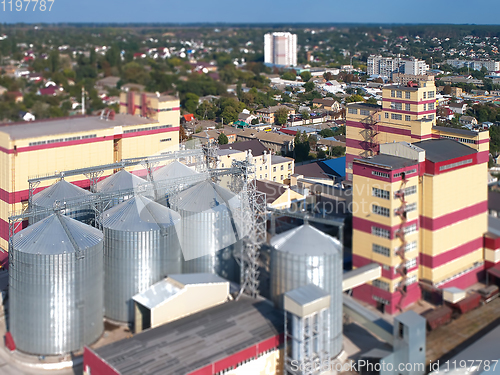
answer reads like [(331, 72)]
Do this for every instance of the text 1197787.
[(26, 5)]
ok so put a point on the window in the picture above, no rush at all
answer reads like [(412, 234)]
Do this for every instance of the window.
[(407, 118), (274, 178), (408, 247), (261, 168), (407, 95), (381, 250), (398, 106), (461, 140), (399, 94), (425, 95), (396, 116), (222, 165), (430, 94), (411, 263), (349, 165), (352, 111), (380, 284), (407, 107), (380, 174), (425, 107), (364, 112), (387, 115), (411, 279), (432, 106), (430, 117), (289, 175), (266, 175), (265, 168), (409, 190), (382, 211), (393, 94), (411, 171), (381, 232), (289, 166), (410, 229), (453, 165), (260, 177), (411, 207), (379, 193), (281, 177), (166, 140), (282, 167)]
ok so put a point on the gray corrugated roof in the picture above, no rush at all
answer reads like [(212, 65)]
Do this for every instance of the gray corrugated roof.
[(193, 342), (306, 240), (173, 170), (438, 150), (122, 180), (255, 145), (207, 196), (139, 214), (156, 294), (306, 294), (48, 236), (60, 191), (33, 129), (197, 278), (389, 161), (276, 159)]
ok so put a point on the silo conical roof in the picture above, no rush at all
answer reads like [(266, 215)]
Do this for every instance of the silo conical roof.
[(139, 214), (173, 170), (305, 240), (121, 180), (52, 236), (60, 191), (206, 196)]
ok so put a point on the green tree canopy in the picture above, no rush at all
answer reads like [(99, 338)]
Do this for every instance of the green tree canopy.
[(223, 139), (354, 98), (309, 86), (305, 75), (281, 115), (289, 76)]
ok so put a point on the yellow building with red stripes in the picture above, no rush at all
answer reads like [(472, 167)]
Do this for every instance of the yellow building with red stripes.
[(38, 148), (419, 197)]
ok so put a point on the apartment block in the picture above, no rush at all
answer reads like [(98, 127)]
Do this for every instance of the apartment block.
[(491, 65), (387, 66), (280, 49)]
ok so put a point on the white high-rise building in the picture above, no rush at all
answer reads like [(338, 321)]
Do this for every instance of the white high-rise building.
[(280, 49), (387, 66)]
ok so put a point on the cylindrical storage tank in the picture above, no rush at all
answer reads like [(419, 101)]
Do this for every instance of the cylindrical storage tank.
[(56, 286), (63, 191), (175, 170), (121, 181), (305, 255), (209, 229), (141, 247)]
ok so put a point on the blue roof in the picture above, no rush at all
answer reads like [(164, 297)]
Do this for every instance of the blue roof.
[(331, 139), (336, 165)]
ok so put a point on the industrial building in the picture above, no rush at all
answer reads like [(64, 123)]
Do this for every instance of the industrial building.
[(38, 148)]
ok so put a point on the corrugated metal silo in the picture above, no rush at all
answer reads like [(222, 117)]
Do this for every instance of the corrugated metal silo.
[(121, 180), (174, 170), (305, 255), (141, 247), (56, 286), (63, 191), (209, 229)]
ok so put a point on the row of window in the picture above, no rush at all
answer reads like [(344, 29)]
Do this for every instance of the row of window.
[(379, 193), (381, 284), (382, 211), (409, 208), (385, 251), (398, 117), (381, 232), (50, 141), (453, 165), (146, 129), (380, 174), (409, 190), (461, 140), (399, 94), (407, 173), (165, 140)]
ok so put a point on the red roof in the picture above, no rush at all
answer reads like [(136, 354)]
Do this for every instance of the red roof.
[(288, 131), (51, 90), (189, 117)]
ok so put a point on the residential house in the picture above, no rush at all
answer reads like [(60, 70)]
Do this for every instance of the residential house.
[(50, 91), (26, 116), (456, 92), (468, 121), (16, 95), (275, 142), (459, 108), (267, 114), (327, 103), (279, 196), (107, 82)]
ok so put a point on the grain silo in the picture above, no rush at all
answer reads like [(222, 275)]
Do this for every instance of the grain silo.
[(56, 286), (61, 192), (210, 231), (121, 181), (173, 171), (141, 247), (305, 255)]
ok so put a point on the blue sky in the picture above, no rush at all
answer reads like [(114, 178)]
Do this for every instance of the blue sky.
[(269, 11)]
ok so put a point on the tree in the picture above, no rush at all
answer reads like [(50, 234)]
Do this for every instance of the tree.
[(305, 75), (447, 90), (328, 76), (371, 100), (281, 115), (191, 102), (223, 139), (255, 121), (301, 147), (325, 133), (229, 115), (354, 98), (289, 76), (309, 86), (182, 134), (305, 115), (338, 151)]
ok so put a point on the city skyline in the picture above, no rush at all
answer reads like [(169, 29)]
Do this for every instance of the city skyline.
[(223, 11)]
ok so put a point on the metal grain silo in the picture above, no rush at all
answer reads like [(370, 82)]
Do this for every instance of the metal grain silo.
[(61, 192), (175, 170), (305, 255), (209, 229), (120, 181), (141, 247), (56, 286)]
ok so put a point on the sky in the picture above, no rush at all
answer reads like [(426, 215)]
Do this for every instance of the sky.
[(259, 11)]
